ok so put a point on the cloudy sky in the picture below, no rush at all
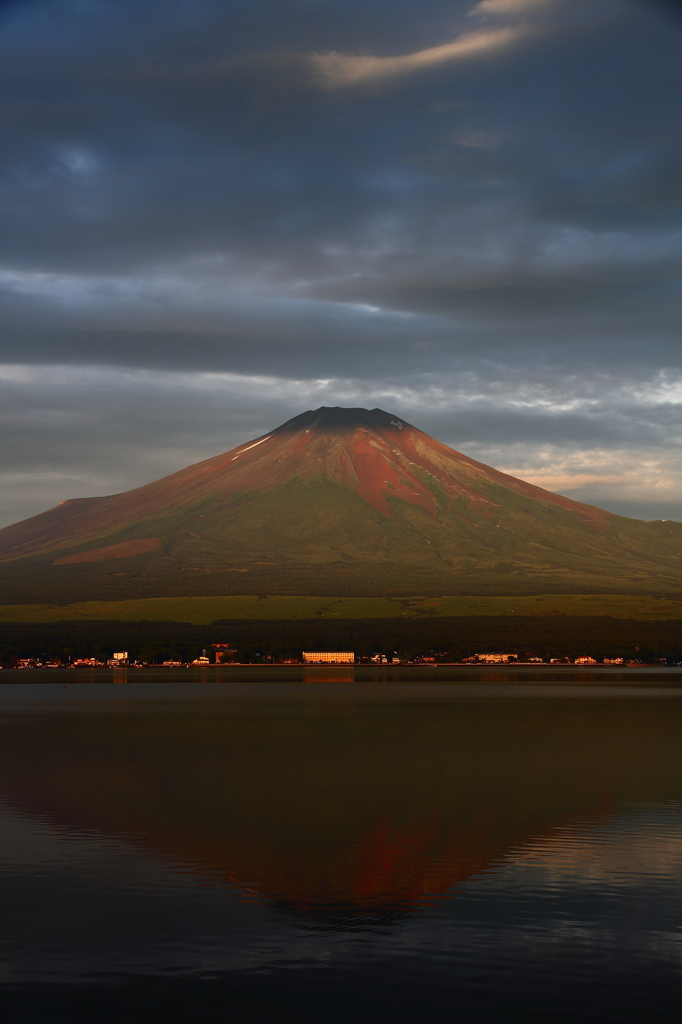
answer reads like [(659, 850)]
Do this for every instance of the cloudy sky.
[(219, 213)]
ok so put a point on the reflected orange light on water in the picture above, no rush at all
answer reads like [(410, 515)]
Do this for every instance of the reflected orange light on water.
[(315, 806)]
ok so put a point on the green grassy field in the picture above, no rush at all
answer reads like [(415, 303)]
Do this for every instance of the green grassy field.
[(199, 610)]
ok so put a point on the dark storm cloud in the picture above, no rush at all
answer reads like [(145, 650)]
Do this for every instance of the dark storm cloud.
[(437, 208)]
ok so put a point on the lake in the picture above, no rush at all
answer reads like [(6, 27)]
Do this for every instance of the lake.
[(341, 845)]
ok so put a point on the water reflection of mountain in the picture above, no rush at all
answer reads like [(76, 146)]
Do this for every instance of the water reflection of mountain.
[(338, 810)]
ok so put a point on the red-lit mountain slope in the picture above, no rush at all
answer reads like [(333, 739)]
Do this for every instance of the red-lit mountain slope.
[(348, 495)]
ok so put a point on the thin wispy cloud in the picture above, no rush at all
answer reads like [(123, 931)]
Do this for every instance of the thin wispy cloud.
[(338, 70), (513, 7)]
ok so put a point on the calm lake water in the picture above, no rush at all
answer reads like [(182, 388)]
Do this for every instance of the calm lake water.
[(338, 845)]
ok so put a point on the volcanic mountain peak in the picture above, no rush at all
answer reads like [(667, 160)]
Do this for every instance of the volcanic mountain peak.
[(337, 419), (346, 489)]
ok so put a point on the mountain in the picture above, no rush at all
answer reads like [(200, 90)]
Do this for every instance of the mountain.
[(338, 501)]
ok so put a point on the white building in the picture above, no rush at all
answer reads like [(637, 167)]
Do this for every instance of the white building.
[(329, 657)]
